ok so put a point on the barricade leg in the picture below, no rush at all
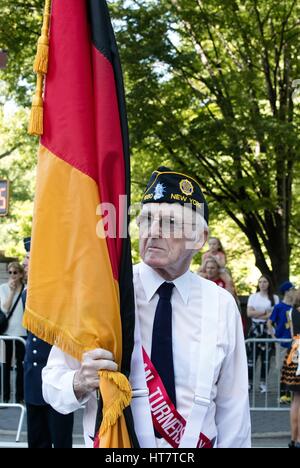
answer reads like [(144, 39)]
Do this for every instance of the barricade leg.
[(21, 420), (13, 347)]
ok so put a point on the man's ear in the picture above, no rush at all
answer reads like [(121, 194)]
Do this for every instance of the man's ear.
[(202, 239)]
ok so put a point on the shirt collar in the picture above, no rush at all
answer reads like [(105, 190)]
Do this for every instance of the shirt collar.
[(151, 281)]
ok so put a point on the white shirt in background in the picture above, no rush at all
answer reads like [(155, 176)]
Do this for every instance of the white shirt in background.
[(261, 303)]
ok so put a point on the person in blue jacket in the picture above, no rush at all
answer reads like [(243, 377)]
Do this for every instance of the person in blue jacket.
[(46, 428), (279, 319), (279, 327)]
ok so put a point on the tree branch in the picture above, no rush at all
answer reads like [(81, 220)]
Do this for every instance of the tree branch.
[(8, 152), (266, 61)]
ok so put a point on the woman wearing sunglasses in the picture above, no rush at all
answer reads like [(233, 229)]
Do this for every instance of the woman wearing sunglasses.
[(10, 299)]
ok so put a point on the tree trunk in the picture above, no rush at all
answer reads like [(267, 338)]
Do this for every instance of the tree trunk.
[(278, 249), (279, 253)]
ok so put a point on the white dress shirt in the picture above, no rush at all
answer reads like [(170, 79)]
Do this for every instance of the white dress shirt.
[(228, 418)]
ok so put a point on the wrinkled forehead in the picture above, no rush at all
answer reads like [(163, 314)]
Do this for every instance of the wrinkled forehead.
[(176, 210), (162, 209)]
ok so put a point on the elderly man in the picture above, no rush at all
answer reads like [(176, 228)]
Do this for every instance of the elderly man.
[(189, 369)]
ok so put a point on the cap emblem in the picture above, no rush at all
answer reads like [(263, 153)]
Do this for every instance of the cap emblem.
[(159, 191), (186, 187)]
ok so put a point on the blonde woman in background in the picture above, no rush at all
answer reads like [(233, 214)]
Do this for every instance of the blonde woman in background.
[(10, 297), (216, 251)]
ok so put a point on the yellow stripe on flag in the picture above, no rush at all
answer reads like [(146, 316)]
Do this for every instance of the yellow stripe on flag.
[(70, 275)]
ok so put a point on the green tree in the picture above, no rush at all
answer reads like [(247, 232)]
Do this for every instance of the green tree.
[(17, 164), (19, 31), (210, 88), (20, 26), (209, 91)]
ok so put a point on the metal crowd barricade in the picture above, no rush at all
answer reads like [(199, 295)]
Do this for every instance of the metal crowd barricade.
[(19, 406), (270, 399)]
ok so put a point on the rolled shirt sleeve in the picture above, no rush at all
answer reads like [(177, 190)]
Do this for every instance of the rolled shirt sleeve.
[(58, 376)]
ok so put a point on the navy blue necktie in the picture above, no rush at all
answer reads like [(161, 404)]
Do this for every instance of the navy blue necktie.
[(162, 351)]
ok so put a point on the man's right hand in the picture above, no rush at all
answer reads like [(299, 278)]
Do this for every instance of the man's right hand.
[(86, 379)]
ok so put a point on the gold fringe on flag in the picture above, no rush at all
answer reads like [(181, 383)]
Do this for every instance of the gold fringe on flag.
[(114, 387), (35, 126), (41, 60), (53, 334), (120, 398)]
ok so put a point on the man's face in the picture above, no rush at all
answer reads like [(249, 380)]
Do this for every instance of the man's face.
[(169, 236)]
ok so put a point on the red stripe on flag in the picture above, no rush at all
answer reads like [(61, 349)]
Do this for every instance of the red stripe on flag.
[(111, 169), (68, 120), (79, 80)]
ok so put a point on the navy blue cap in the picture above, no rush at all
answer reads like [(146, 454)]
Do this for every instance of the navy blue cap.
[(27, 243), (286, 286), (167, 186)]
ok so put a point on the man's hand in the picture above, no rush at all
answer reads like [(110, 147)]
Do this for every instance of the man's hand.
[(86, 379)]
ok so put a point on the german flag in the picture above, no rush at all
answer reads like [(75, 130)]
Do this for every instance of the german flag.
[(80, 293)]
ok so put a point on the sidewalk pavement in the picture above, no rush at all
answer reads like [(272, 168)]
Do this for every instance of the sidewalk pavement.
[(9, 420), (269, 429)]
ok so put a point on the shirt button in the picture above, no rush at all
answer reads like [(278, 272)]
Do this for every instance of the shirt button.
[(35, 364), (34, 340), (34, 351)]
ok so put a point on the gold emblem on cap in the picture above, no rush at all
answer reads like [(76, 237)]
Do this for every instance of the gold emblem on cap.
[(186, 187)]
